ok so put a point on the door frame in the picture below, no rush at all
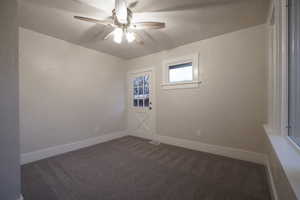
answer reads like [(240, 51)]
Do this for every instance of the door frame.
[(154, 105)]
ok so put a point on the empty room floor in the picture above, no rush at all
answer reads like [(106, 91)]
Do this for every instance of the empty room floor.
[(130, 168)]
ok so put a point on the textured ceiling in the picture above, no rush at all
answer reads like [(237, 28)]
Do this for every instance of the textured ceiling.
[(186, 21)]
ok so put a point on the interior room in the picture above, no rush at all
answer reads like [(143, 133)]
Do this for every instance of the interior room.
[(149, 100)]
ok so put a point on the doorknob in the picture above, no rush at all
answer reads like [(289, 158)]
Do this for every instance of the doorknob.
[(150, 108)]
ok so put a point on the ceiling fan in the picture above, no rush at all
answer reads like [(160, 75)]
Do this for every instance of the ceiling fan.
[(121, 21)]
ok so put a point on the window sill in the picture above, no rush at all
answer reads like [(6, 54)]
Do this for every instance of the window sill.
[(289, 157), (180, 85)]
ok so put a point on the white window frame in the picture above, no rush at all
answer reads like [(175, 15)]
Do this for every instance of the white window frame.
[(287, 151), (194, 59), (280, 62), (284, 75), (284, 70)]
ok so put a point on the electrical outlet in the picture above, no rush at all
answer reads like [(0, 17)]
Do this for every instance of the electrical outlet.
[(198, 133), (97, 129)]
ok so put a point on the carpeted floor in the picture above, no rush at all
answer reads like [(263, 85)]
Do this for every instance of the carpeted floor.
[(130, 168)]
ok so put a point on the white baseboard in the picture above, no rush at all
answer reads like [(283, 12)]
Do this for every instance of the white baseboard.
[(56, 150), (189, 144), (215, 149), (209, 148), (140, 135), (271, 180), (272, 186)]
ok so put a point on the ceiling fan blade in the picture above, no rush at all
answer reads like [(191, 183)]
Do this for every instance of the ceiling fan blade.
[(92, 34), (105, 6), (138, 39), (133, 4), (121, 11), (148, 25), (109, 35), (189, 5), (97, 21)]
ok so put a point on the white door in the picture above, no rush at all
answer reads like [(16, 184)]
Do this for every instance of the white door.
[(141, 107)]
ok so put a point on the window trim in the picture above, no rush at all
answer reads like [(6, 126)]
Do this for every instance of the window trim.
[(286, 150), (194, 59), (284, 73), (285, 70)]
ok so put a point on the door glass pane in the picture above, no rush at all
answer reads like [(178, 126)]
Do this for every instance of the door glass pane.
[(181, 72), (146, 90), (135, 102), (147, 102), (135, 83), (140, 81), (146, 85), (141, 91), (135, 91), (141, 102)]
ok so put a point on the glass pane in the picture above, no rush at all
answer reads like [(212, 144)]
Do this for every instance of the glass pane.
[(140, 81), (146, 90), (147, 102), (135, 82), (146, 79), (146, 84), (135, 102), (141, 102), (294, 72), (141, 91), (135, 91), (181, 72)]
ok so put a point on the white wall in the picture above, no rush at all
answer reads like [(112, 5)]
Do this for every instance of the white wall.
[(67, 93), (9, 109), (229, 107)]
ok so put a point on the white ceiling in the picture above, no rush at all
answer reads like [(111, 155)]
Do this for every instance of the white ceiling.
[(186, 21)]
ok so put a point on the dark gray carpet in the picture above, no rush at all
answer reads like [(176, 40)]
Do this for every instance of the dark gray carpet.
[(130, 168)]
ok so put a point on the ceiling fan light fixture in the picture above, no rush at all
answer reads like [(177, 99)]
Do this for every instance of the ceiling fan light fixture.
[(122, 22), (121, 11), (118, 35), (130, 36)]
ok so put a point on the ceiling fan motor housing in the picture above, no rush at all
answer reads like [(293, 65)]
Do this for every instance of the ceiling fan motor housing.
[(116, 21)]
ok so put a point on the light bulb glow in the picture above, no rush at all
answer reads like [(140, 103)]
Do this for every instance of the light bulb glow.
[(121, 11), (130, 37), (118, 35)]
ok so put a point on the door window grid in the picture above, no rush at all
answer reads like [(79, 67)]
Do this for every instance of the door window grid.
[(141, 91)]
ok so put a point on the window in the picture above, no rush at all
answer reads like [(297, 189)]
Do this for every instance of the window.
[(141, 91), (181, 72), (294, 71)]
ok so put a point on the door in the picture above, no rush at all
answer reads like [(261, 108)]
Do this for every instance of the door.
[(141, 108)]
